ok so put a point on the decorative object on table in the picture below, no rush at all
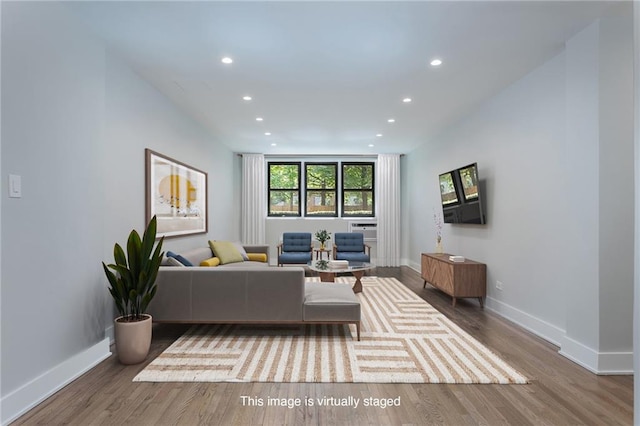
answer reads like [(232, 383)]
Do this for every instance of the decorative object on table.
[(176, 194), (437, 219), (132, 285), (323, 236), (412, 340), (338, 264), (322, 264)]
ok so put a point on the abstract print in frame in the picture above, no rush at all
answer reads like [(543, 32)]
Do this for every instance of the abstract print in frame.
[(176, 194)]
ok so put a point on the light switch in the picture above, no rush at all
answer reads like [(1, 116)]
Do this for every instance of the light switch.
[(15, 186)]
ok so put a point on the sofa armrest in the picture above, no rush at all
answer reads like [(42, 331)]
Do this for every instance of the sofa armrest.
[(257, 248)]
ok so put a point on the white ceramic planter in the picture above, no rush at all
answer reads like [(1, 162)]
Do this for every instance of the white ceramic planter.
[(133, 340)]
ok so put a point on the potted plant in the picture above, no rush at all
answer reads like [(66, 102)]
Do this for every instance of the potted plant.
[(132, 285), (322, 236)]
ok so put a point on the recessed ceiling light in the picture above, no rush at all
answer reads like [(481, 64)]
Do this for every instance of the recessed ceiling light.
[(436, 62), (247, 98), (259, 118), (391, 120), (267, 133), (274, 144), (227, 60), (379, 135), (406, 100), (371, 145)]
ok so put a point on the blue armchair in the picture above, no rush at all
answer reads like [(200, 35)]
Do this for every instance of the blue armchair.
[(350, 246), (295, 248)]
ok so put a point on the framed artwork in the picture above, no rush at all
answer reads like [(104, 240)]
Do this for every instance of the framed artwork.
[(176, 194)]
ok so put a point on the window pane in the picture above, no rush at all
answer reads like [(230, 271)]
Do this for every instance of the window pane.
[(357, 176), (358, 189), (321, 176), (284, 176), (284, 203), (321, 203), (358, 203)]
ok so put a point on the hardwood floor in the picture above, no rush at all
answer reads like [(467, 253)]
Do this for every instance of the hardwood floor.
[(560, 393)]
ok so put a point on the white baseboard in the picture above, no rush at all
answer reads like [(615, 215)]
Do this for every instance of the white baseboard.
[(37, 390), (601, 363), (540, 328)]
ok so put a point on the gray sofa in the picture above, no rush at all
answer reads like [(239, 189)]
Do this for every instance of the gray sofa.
[(248, 292)]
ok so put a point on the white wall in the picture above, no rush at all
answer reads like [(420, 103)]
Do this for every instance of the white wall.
[(76, 121), (636, 156), (557, 235), (52, 135)]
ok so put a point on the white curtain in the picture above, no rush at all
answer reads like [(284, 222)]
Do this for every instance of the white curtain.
[(254, 198), (388, 209)]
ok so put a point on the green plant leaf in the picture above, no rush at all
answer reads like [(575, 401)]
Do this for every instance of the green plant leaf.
[(119, 256), (133, 252)]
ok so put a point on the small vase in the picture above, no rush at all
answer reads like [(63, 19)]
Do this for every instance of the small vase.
[(439, 249), (321, 246)]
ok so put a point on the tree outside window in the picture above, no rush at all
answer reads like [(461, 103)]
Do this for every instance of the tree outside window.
[(358, 190), (321, 189), (284, 189)]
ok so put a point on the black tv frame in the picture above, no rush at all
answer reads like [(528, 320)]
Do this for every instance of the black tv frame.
[(468, 210)]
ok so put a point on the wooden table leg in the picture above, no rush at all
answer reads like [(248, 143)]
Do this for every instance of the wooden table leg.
[(357, 287), (327, 277)]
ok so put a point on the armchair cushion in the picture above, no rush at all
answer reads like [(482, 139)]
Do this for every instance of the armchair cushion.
[(350, 246)]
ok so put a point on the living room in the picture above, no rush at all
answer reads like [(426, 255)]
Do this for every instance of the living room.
[(555, 150)]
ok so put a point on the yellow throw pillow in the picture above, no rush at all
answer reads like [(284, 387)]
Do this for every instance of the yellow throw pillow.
[(213, 261), (226, 251), (257, 257)]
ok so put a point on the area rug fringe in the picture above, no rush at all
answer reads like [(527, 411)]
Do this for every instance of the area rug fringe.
[(404, 340)]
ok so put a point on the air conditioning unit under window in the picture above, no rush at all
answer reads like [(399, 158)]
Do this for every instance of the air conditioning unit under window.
[(368, 228)]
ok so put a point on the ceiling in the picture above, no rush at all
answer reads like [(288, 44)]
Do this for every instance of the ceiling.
[(326, 76)]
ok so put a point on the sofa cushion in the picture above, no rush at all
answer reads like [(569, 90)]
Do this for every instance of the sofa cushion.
[(179, 258), (213, 261), (241, 250), (172, 261), (257, 257), (330, 302), (226, 251)]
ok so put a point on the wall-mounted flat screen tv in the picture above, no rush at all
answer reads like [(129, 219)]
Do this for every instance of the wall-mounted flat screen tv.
[(448, 192), (461, 196)]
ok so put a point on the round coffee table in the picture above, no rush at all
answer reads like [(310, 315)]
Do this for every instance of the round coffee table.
[(328, 274)]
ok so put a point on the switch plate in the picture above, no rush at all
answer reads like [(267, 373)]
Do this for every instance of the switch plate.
[(15, 186)]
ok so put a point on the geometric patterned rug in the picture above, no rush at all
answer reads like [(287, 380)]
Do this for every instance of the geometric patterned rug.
[(403, 340)]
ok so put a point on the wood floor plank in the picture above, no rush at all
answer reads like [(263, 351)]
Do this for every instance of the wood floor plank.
[(560, 392)]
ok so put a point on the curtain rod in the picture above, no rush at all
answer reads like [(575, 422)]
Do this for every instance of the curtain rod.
[(240, 154)]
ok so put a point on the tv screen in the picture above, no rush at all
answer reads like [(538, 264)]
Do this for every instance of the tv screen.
[(469, 180), (448, 192), (461, 196)]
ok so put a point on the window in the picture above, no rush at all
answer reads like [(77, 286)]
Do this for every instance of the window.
[(322, 187), (284, 189), (321, 183), (357, 190)]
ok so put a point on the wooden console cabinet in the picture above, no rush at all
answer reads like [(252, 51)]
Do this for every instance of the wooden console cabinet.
[(457, 279)]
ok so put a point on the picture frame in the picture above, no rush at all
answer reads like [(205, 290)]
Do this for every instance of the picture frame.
[(176, 194)]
